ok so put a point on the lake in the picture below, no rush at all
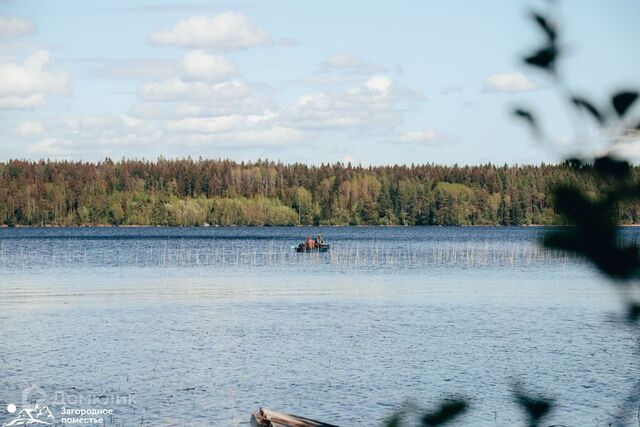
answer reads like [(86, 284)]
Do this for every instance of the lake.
[(202, 326)]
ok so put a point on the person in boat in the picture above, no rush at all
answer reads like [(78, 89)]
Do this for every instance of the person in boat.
[(319, 241), (310, 242)]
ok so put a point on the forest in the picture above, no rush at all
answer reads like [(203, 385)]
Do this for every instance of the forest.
[(189, 192)]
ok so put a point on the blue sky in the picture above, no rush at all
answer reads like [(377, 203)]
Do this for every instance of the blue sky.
[(369, 82)]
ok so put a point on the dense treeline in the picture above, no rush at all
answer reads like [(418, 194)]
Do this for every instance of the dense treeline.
[(222, 192)]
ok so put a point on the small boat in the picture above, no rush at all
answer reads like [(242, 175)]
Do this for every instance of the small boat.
[(268, 418), (302, 247), (317, 245)]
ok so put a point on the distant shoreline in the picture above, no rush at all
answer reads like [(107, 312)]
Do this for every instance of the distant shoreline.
[(4, 226), (188, 192)]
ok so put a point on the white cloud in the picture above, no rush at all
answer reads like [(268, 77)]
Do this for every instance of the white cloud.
[(508, 82), (29, 129), (15, 27), (205, 66), (420, 136), (137, 69), (118, 135), (177, 89), (196, 93), (379, 84), (326, 80), (249, 105), (266, 136), (226, 31), (50, 147), (425, 137), (627, 147), (194, 65), (206, 124), (237, 129), (23, 102), (151, 111), (91, 135), (200, 108), (203, 107), (198, 100), (345, 62), (274, 135), (226, 114), (24, 85), (342, 61), (376, 103)]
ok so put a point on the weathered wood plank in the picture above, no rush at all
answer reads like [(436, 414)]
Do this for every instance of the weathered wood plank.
[(268, 418)]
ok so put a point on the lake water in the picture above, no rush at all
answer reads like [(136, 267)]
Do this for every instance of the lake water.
[(202, 326)]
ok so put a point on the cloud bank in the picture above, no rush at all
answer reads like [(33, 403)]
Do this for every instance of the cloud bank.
[(25, 85), (15, 27), (508, 82), (226, 31)]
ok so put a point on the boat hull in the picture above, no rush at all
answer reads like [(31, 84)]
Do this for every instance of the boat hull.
[(268, 418), (306, 249)]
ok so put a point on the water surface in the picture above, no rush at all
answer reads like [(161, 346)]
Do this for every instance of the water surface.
[(201, 326)]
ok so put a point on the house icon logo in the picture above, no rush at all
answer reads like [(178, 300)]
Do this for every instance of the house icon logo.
[(34, 412), (35, 416)]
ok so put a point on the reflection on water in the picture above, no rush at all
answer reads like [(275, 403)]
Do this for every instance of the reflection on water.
[(202, 326)]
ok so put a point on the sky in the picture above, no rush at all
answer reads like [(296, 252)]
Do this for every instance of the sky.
[(372, 83)]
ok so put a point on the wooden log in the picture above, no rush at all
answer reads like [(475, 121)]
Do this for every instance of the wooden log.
[(268, 418)]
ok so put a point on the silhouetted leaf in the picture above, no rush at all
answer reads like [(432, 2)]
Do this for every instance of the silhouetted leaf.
[(633, 312), (621, 263), (445, 413), (535, 407), (606, 166), (544, 58), (546, 26), (572, 203), (527, 117), (583, 103), (394, 421), (623, 100), (595, 235)]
